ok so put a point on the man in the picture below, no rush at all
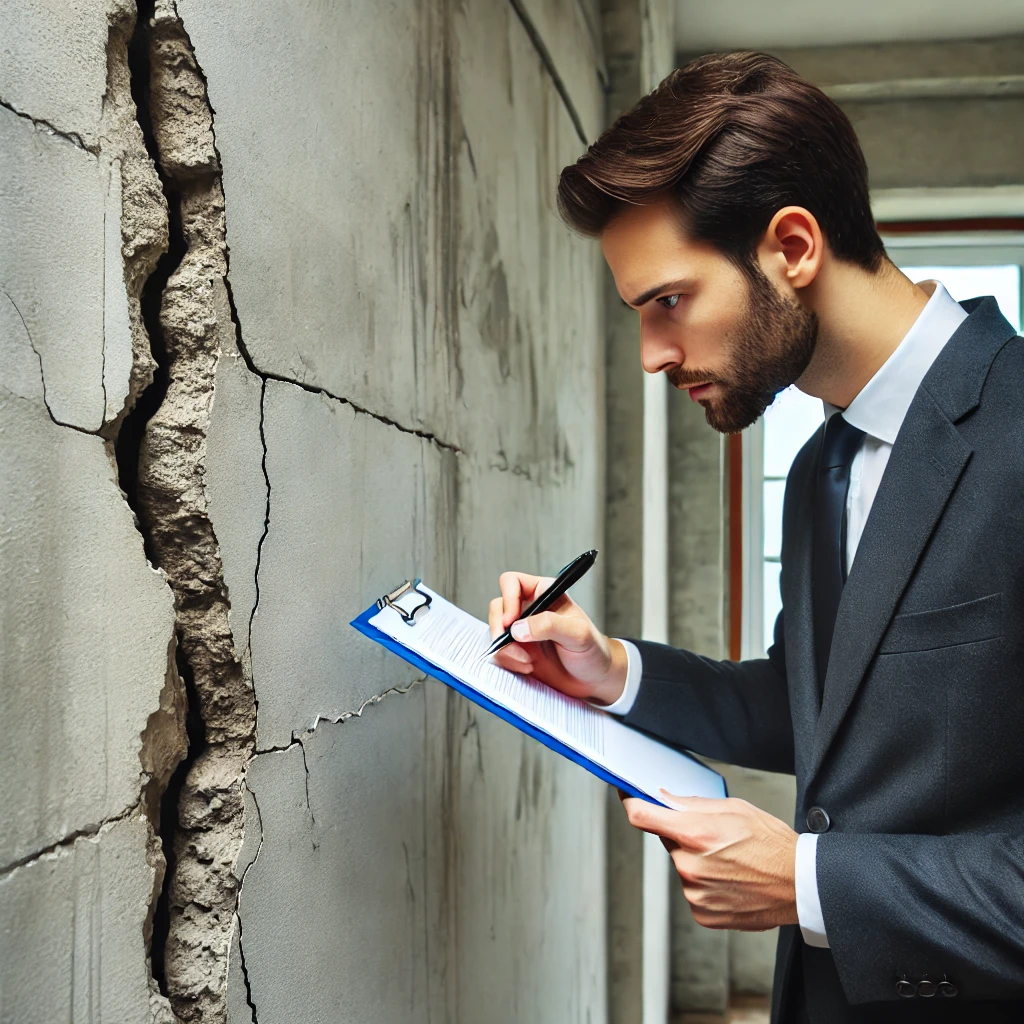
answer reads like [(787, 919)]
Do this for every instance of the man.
[(732, 208)]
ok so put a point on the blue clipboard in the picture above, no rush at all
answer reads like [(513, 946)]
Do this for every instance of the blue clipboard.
[(362, 623)]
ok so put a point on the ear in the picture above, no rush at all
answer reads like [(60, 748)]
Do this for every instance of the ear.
[(794, 244)]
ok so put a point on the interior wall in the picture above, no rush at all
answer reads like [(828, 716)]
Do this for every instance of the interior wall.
[(377, 353), (698, 621), (638, 51), (929, 115)]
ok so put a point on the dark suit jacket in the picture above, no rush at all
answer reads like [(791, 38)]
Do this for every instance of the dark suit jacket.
[(917, 749)]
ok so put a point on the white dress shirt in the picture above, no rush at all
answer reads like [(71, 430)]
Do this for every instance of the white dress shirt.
[(879, 410)]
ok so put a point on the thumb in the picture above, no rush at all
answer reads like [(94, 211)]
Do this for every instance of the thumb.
[(568, 631), (704, 804)]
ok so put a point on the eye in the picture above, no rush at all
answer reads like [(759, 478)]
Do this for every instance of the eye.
[(669, 301)]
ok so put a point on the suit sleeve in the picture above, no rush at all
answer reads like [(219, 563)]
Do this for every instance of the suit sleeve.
[(733, 711), (924, 906)]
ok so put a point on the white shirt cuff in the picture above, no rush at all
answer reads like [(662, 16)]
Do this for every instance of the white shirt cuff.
[(808, 904), (634, 670)]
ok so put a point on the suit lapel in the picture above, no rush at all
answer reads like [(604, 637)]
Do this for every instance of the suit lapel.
[(926, 462)]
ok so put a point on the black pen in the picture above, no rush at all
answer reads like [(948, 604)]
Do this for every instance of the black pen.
[(571, 574)]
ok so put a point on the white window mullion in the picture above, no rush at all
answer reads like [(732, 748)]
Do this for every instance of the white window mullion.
[(752, 639)]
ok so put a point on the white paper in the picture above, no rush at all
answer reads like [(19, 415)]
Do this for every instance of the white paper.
[(454, 640)]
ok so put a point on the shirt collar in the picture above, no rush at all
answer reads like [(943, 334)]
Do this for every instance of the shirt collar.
[(881, 405)]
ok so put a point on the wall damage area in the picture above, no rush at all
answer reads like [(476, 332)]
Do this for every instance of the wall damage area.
[(281, 334), (90, 692)]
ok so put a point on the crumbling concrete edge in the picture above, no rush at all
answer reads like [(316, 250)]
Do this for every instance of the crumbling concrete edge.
[(203, 823), (144, 226), (204, 820), (143, 230)]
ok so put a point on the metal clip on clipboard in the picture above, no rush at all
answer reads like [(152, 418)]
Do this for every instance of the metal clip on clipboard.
[(390, 600)]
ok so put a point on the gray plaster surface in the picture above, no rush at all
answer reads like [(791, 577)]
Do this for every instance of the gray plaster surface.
[(334, 202), (53, 61), (530, 855), (355, 507), (697, 590), (570, 32), (530, 864), (359, 906), (394, 249), (72, 924), (235, 486), (527, 317), (88, 689), (87, 623), (65, 274), (406, 355), (464, 310)]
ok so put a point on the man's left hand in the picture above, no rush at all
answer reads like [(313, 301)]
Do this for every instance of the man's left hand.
[(737, 864)]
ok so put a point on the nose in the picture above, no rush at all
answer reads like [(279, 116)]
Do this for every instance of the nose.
[(658, 351)]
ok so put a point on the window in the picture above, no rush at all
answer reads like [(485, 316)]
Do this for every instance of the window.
[(968, 265)]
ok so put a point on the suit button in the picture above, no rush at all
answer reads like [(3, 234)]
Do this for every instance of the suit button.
[(947, 989), (818, 820), (926, 989), (906, 989)]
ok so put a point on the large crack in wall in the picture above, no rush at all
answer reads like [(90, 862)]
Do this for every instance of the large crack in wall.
[(183, 321), (191, 317), (202, 820)]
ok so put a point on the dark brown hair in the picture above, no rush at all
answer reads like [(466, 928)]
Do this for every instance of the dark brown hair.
[(734, 137)]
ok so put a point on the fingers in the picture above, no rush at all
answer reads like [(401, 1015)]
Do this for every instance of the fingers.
[(704, 804), (513, 657), (518, 589), (569, 629), (494, 617), (690, 829), (648, 817)]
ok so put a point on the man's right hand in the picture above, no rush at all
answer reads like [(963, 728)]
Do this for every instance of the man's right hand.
[(560, 647)]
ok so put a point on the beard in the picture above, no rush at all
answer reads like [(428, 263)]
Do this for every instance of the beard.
[(769, 351)]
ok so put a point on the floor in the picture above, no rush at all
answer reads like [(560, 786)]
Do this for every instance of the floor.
[(743, 1010)]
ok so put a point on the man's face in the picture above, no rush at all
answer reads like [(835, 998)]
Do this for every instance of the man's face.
[(731, 339)]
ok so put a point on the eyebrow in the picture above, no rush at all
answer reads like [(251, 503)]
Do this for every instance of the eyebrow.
[(651, 292)]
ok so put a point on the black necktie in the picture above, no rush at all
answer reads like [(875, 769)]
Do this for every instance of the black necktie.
[(840, 444)]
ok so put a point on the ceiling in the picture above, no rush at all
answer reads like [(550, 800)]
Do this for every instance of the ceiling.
[(765, 24)]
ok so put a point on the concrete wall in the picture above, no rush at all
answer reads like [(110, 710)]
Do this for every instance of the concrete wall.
[(638, 50), (943, 115), (374, 352), (929, 115), (88, 690), (698, 605)]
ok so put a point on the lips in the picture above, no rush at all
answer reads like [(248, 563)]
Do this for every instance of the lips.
[(697, 392)]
